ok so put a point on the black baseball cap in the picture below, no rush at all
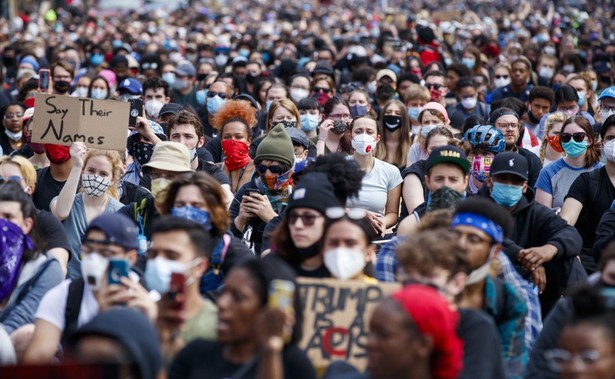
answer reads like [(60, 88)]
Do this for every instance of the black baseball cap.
[(508, 162)]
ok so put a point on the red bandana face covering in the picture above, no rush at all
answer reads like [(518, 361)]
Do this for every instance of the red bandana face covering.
[(57, 154), (236, 154)]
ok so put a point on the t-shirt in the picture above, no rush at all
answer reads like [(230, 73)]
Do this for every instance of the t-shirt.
[(416, 154), (205, 359), (203, 324), (556, 179), (53, 305), (51, 230), (481, 354), (374, 187), (46, 189)]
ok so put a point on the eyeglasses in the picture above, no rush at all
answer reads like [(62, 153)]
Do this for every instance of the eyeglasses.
[(556, 358), (502, 76), (336, 213), (323, 89), (12, 178), (343, 116), (435, 86), (578, 137), (261, 169), (307, 219), (8, 116), (507, 126), (222, 95), (606, 108)]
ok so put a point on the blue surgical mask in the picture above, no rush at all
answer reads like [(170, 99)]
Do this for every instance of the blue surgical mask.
[(413, 112), (99, 93), (469, 62), (426, 129), (197, 215), (201, 96), (97, 59), (506, 195), (358, 110), (214, 104), (268, 105), (582, 98), (180, 84), (169, 77), (574, 149), (309, 122)]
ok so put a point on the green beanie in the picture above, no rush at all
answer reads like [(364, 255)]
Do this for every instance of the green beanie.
[(276, 146)]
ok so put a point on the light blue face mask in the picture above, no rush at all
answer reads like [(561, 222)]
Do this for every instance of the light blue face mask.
[(468, 62), (309, 122), (574, 149), (268, 105), (169, 77), (214, 104), (506, 195), (413, 112), (201, 96), (582, 98), (426, 129)]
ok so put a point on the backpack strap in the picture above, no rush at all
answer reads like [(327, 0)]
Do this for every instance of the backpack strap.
[(73, 308), (594, 183)]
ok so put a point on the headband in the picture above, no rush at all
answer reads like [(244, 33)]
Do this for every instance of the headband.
[(477, 221)]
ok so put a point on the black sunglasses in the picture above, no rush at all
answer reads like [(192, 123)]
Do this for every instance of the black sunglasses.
[(261, 168), (306, 219), (435, 86), (578, 137), (323, 89), (501, 76), (213, 94)]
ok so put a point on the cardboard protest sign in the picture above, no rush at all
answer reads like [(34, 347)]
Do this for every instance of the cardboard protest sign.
[(336, 318), (62, 120)]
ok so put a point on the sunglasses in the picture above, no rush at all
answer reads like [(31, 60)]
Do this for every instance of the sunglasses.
[(149, 65), (501, 76), (222, 95), (307, 219), (323, 89), (12, 178), (261, 169), (435, 86), (336, 213), (578, 137)]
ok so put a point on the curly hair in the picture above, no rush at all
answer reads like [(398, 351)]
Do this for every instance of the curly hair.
[(117, 167), (235, 110)]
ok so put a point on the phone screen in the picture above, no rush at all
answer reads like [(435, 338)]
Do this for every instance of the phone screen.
[(136, 110), (43, 80)]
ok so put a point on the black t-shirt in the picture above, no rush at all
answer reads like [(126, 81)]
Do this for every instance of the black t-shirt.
[(205, 359), (418, 168), (482, 358), (5, 144), (52, 230), (46, 189)]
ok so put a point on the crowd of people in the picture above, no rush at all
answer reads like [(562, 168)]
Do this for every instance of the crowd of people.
[(464, 150)]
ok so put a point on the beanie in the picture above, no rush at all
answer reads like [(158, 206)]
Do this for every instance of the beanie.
[(276, 146), (313, 191)]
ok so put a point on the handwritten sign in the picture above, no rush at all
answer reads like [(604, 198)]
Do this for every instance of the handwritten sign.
[(62, 120), (336, 317)]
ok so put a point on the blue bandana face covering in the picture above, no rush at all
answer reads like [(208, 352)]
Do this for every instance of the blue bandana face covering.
[(194, 214), (13, 244)]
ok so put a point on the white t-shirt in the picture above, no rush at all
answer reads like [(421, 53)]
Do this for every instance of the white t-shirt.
[(375, 186), (53, 305)]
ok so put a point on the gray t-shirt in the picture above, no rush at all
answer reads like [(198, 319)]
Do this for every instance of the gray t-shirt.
[(374, 188), (557, 177)]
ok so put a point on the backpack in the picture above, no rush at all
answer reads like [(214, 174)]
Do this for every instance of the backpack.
[(213, 278), (73, 308)]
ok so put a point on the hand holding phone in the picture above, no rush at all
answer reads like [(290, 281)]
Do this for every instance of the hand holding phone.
[(118, 268), (43, 80), (177, 290), (136, 110)]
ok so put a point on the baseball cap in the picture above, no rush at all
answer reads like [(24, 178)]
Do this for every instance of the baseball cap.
[(130, 85), (118, 229), (508, 162), (298, 136), (386, 73), (607, 93), (27, 114), (501, 112), (185, 68), (448, 154), (170, 108)]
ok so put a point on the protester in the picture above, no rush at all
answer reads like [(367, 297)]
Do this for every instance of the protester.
[(551, 148), (333, 130), (431, 116), (485, 143), (12, 122), (395, 133)]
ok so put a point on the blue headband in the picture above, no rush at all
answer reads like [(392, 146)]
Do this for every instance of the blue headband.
[(474, 220)]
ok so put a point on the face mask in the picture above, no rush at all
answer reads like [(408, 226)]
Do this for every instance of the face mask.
[(268, 105), (192, 154), (214, 104), (426, 129), (582, 98), (546, 73), (384, 92), (413, 112), (94, 185), (568, 68), (481, 167), (13, 245), (61, 86), (153, 107), (344, 263), (416, 130), (469, 62), (480, 273), (358, 110), (169, 77), (569, 112), (322, 99), (244, 52), (550, 50), (180, 84), (469, 102), (81, 92), (288, 124), (158, 273), (594, 86), (503, 82), (201, 97), (93, 267), (609, 150), (391, 122), (339, 127), (57, 154), (371, 87), (309, 122), (99, 93), (142, 152), (298, 94), (435, 94), (197, 215), (554, 142), (363, 144), (235, 154), (15, 136), (159, 185), (37, 148), (277, 183), (604, 114), (533, 119), (96, 60), (221, 60), (575, 149), (506, 195), (443, 198)]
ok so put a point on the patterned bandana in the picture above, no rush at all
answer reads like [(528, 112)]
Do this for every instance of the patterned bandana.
[(197, 215), (279, 197), (13, 244), (143, 152), (94, 185), (443, 198)]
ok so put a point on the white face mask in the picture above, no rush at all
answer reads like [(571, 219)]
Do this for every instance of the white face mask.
[(481, 273), (469, 102), (12, 135), (609, 150), (298, 94), (604, 114), (364, 144), (94, 185), (99, 93), (81, 92), (153, 107), (545, 72), (503, 82), (93, 267), (344, 263), (192, 154), (158, 273)]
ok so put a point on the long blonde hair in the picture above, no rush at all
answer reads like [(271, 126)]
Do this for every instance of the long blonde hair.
[(552, 119), (117, 168)]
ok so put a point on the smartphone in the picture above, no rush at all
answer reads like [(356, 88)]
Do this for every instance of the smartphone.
[(118, 268), (281, 294), (251, 191), (43, 79), (136, 110), (177, 287)]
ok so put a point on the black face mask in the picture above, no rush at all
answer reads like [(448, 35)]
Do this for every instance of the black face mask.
[(142, 152), (251, 78), (384, 92), (61, 86), (533, 118), (391, 122), (8, 61), (339, 127), (201, 77)]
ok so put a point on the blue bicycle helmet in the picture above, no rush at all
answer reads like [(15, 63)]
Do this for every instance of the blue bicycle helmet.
[(485, 137)]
